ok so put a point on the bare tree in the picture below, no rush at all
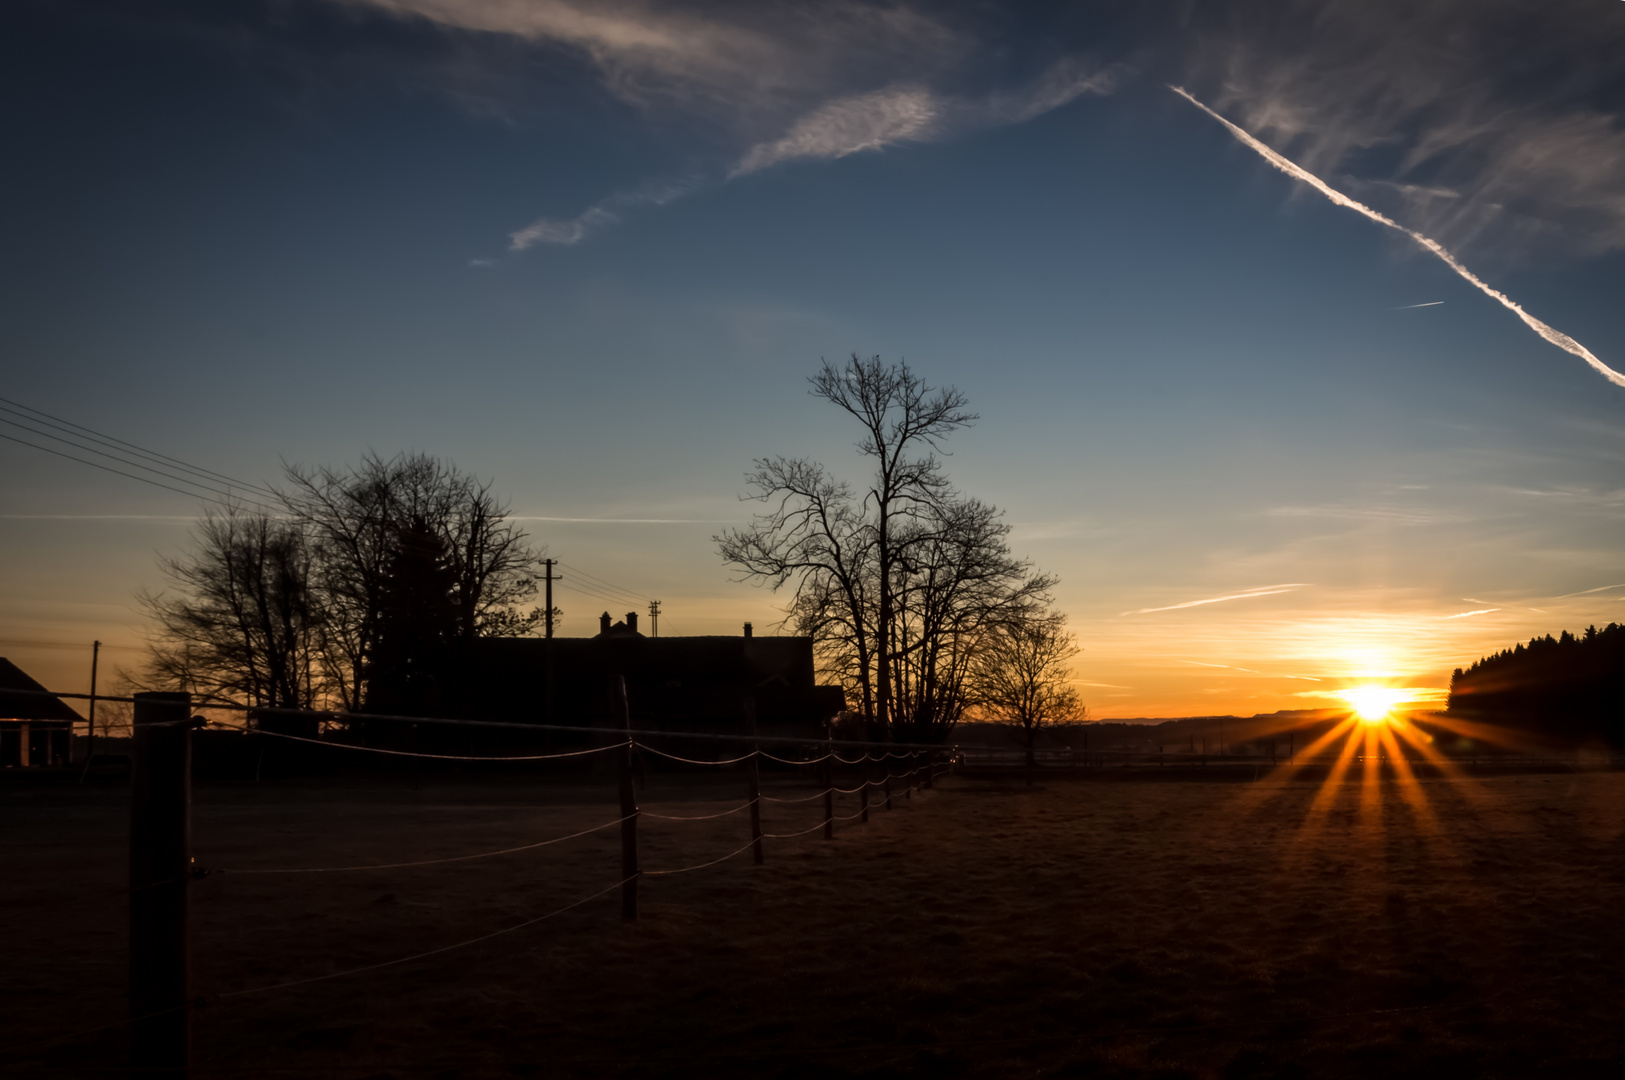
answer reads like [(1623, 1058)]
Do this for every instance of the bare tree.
[(897, 584), (358, 517), (1020, 678), (243, 621), (903, 420), (957, 583)]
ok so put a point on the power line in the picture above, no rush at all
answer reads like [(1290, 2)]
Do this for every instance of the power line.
[(62, 644), (107, 439), (612, 600), (611, 586), (135, 465), (116, 472)]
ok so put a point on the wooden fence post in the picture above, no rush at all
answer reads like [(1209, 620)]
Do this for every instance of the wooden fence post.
[(930, 768), (160, 869), (829, 789), (863, 793), (629, 810), (755, 782), (885, 764)]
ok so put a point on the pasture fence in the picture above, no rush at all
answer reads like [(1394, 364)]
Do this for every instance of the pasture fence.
[(162, 870)]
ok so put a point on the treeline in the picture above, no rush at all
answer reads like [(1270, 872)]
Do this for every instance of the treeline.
[(1571, 686), (358, 588)]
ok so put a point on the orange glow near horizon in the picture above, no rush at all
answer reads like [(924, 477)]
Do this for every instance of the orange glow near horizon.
[(1373, 704)]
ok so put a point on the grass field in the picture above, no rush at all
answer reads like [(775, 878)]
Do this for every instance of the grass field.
[(1077, 928)]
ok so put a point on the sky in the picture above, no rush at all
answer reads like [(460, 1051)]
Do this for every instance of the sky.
[(1273, 445)]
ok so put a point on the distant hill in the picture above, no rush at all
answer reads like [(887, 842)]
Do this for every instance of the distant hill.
[(1571, 686), (1185, 732)]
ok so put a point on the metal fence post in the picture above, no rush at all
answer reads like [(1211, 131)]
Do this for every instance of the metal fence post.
[(160, 868)]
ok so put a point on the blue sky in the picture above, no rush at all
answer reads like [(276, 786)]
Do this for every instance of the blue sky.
[(593, 252)]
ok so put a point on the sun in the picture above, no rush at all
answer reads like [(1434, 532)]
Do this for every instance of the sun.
[(1373, 704)]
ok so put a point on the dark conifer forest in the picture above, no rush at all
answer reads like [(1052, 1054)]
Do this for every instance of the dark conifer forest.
[(1571, 686)]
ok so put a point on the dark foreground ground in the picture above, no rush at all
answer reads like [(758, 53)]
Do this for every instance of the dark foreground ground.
[(1448, 928)]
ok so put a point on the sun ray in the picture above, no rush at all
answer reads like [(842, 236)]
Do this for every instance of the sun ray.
[(1320, 806), (1410, 788)]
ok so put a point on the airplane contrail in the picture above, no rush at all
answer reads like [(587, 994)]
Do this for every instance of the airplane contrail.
[(1430, 303), (1556, 337), (1268, 590)]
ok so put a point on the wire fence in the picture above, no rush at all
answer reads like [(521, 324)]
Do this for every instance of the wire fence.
[(163, 875)]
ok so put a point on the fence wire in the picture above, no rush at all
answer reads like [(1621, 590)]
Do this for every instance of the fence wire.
[(428, 862)]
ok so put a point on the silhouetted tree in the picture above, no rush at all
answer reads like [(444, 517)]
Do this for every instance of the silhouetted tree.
[(896, 584), (243, 621), (1019, 677), (414, 659), (357, 519), (956, 583)]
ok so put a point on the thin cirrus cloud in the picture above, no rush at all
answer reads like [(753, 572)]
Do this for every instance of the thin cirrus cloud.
[(884, 118), (847, 125), (736, 59), (1250, 671), (570, 231), (1298, 172), (1419, 104), (1268, 590), (1470, 614), (1588, 592)]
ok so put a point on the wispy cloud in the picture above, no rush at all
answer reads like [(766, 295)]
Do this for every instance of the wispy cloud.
[(1269, 590), (1250, 671), (1588, 592), (911, 113), (624, 521), (647, 52), (1408, 307), (1388, 515), (1420, 100), (1469, 614), (779, 81), (849, 125), (1297, 172), (178, 519), (1227, 667), (569, 231)]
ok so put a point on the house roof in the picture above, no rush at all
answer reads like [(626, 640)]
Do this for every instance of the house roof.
[(29, 706)]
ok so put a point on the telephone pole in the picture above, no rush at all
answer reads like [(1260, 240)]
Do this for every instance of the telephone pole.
[(548, 577), (90, 735), (654, 618)]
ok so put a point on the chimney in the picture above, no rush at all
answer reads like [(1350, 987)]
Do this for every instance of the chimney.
[(632, 621), (747, 629), (603, 623)]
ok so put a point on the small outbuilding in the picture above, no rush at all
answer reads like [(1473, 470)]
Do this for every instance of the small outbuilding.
[(35, 728)]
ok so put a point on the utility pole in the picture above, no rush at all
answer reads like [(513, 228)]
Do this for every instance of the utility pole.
[(548, 692), (550, 579), (90, 736), (654, 618)]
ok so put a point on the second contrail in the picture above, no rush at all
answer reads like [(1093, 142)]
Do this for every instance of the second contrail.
[(1556, 337)]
